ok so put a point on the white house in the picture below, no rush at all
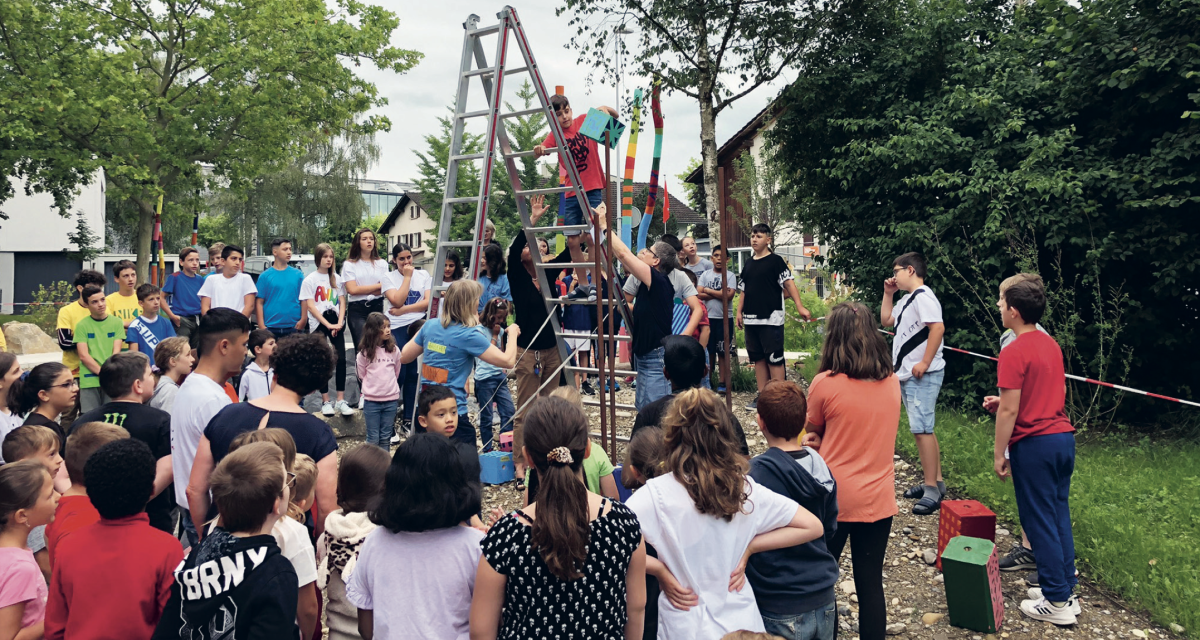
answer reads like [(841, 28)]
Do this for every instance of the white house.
[(410, 223), (33, 240)]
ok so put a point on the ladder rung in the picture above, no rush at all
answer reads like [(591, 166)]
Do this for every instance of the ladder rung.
[(523, 112), (472, 156), (474, 114), (624, 372), (565, 227), (618, 338), (547, 190), (459, 243), (596, 403), (525, 154), (486, 71), (484, 31), (570, 265), (620, 438), (458, 200), (509, 72)]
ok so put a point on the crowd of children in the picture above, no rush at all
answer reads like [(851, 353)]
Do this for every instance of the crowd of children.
[(223, 512)]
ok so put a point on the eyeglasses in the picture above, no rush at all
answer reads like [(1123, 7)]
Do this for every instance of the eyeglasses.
[(291, 480), (896, 270), (67, 385)]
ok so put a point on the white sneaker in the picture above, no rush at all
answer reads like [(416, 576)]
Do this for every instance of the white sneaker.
[(396, 439), (1072, 602), (344, 408), (1042, 609), (327, 409)]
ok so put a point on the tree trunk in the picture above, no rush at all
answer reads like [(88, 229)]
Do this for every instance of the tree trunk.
[(708, 161), (145, 237)]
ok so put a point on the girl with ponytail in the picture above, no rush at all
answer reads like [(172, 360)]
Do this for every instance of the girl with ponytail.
[(572, 563), (705, 517), (45, 394)]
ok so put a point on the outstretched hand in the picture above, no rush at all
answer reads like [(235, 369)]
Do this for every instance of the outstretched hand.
[(537, 206)]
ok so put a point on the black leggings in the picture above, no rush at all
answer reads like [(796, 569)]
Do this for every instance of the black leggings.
[(356, 317), (868, 542), (338, 343)]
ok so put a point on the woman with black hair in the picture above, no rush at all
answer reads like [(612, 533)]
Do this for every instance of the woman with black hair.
[(415, 573), (494, 277), (362, 276), (407, 290), (302, 364), (571, 564)]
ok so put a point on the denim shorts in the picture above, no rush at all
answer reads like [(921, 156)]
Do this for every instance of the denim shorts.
[(572, 214), (818, 624), (920, 399)]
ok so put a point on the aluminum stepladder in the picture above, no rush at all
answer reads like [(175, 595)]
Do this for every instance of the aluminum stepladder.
[(474, 64)]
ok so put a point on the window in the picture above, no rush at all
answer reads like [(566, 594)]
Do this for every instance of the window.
[(412, 211)]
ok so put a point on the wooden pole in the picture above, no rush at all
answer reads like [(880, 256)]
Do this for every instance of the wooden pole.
[(601, 393), (609, 346), (727, 334)]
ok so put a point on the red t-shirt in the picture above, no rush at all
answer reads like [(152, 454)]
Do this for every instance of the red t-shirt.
[(73, 513), (587, 158), (1033, 363)]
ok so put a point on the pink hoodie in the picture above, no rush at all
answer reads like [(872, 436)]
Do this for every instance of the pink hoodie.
[(379, 376)]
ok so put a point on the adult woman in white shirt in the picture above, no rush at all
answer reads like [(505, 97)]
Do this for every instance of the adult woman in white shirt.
[(407, 290), (363, 274)]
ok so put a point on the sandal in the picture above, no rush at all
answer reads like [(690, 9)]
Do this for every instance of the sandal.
[(913, 493), (926, 506)]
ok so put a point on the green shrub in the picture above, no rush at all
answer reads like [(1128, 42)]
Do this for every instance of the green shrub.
[(46, 302)]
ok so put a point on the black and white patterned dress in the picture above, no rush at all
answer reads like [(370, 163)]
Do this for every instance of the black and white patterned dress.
[(537, 604)]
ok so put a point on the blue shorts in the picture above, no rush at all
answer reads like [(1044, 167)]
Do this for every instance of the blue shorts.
[(571, 213), (920, 398)]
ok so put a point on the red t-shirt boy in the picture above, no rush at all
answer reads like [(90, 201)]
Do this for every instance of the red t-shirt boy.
[(1032, 423)]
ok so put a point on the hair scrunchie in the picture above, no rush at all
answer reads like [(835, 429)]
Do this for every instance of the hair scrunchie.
[(560, 456)]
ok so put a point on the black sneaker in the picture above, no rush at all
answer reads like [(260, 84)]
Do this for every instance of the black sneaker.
[(1032, 579), (587, 389), (583, 292), (1018, 559)]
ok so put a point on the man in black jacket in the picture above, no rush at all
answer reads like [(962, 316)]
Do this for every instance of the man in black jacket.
[(236, 583)]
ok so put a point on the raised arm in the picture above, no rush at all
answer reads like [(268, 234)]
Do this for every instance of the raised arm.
[(632, 263), (885, 310)]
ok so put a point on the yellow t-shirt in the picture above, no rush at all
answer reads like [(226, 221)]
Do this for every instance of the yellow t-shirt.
[(125, 308), (68, 317)]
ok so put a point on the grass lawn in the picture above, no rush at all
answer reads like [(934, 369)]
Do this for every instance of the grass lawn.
[(7, 318), (1135, 507)]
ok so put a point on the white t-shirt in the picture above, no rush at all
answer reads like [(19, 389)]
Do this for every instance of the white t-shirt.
[(364, 273), (316, 287), (421, 282), (700, 267), (198, 400), (702, 551), (9, 420), (229, 293), (295, 545), (924, 309), (712, 280), (682, 284)]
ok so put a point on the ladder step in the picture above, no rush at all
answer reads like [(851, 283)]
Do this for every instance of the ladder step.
[(620, 438), (523, 112), (490, 71), (624, 372), (618, 338), (472, 156), (569, 265), (484, 31), (458, 200), (596, 403), (565, 227), (459, 243), (525, 154), (547, 190), (474, 114)]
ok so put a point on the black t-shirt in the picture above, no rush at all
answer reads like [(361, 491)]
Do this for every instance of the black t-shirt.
[(651, 416), (39, 420), (152, 426), (313, 437), (762, 280), (652, 309), (528, 306)]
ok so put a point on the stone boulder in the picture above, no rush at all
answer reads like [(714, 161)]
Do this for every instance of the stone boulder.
[(24, 338), (354, 426)]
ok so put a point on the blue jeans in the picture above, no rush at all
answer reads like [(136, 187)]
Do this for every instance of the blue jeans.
[(1041, 473), (408, 378), (381, 420), (571, 212), (920, 399), (282, 332), (818, 624), (484, 389), (652, 384)]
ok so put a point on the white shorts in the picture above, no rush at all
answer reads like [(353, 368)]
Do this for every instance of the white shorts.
[(581, 344)]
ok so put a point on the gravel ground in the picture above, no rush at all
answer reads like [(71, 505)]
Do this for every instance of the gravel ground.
[(914, 588)]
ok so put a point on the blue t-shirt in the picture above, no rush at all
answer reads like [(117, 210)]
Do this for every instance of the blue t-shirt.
[(184, 293), (483, 370), (576, 316), (280, 292), (449, 355), (497, 288), (146, 334)]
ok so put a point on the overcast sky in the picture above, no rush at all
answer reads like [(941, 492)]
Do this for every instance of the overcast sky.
[(417, 98)]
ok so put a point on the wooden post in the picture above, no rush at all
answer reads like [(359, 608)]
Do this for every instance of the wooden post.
[(609, 346), (727, 325), (601, 393)]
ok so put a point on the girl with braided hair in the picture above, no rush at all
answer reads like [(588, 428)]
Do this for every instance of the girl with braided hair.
[(572, 563)]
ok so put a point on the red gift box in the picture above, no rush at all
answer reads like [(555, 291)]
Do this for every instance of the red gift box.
[(964, 518)]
